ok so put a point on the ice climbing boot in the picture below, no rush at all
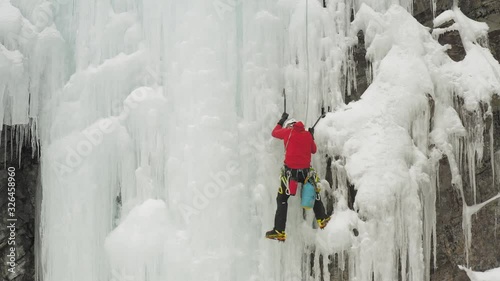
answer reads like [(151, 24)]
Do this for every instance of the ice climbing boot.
[(323, 222), (276, 235)]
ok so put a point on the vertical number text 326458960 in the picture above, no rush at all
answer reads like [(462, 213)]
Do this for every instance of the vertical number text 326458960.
[(11, 220)]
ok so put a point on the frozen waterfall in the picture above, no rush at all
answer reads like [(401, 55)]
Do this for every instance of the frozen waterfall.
[(154, 117)]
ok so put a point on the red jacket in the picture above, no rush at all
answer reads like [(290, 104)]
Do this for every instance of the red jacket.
[(299, 145)]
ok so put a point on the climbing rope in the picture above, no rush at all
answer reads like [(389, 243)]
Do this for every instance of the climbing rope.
[(307, 60)]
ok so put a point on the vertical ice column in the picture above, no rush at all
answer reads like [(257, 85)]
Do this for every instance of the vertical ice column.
[(92, 17), (264, 54), (282, 28), (316, 61), (143, 117), (80, 175), (33, 71), (204, 190), (88, 153), (14, 95), (136, 246)]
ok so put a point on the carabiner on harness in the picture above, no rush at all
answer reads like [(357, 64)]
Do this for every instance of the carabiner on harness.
[(288, 175), (285, 180)]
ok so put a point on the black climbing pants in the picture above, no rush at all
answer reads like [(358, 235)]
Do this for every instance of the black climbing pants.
[(282, 199)]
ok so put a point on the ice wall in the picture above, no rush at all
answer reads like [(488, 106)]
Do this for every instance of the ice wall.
[(152, 93), (159, 79), (383, 138), (32, 57), (410, 115)]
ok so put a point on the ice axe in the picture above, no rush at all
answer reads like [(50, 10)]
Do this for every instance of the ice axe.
[(321, 117), (284, 99)]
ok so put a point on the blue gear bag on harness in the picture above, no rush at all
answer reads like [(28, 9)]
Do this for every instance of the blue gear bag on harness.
[(308, 195)]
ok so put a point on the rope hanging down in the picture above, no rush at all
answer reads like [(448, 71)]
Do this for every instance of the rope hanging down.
[(307, 59)]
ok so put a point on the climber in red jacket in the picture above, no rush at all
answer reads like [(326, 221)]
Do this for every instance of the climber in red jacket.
[(299, 145)]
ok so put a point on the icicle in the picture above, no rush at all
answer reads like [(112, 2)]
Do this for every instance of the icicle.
[(496, 219), (326, 268), (472, 144), (492, 149), (350, 72), (33, 70), (369, 73), (433, 8), (316, 270), (497, 164), (429, 212), (468, 211)]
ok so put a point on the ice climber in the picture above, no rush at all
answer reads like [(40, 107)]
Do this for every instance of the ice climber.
[(299, 145)]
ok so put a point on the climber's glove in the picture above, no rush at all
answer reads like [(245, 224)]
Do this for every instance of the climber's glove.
[(284, 116)]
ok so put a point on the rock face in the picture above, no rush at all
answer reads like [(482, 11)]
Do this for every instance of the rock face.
[(485, 252), (26, 176)]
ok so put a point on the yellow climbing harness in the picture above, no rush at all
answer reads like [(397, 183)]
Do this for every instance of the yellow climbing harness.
[(285, 179)]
